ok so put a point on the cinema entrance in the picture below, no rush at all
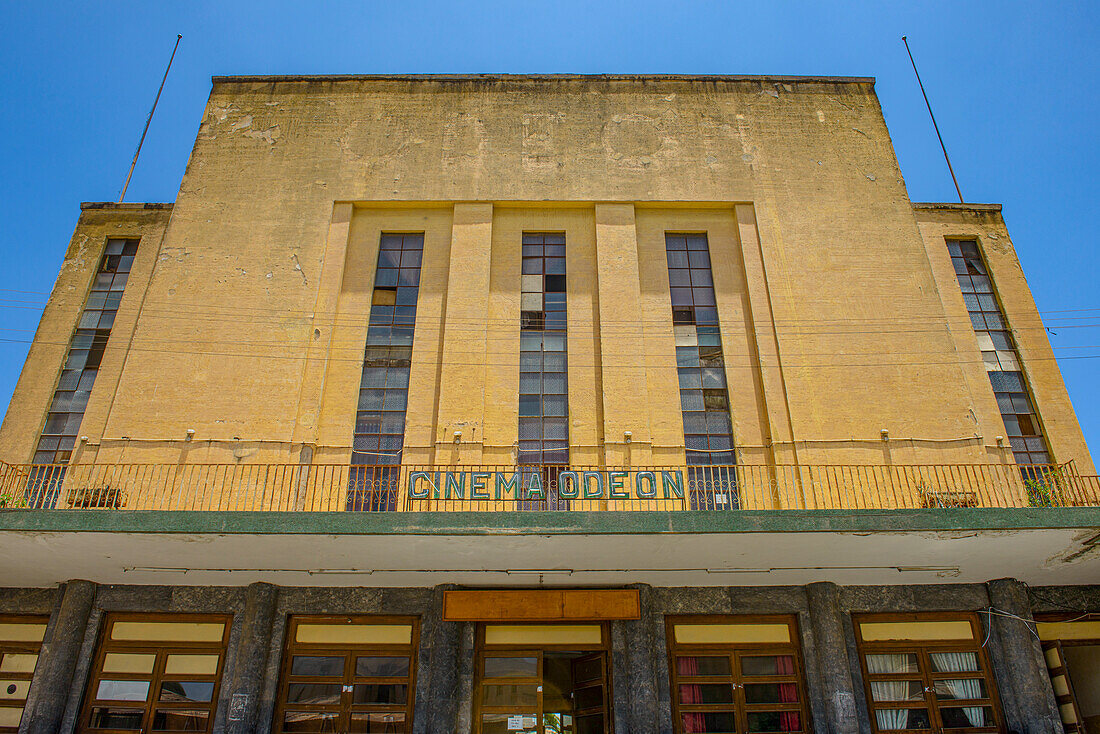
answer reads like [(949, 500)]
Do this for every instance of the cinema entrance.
[(542, 657)]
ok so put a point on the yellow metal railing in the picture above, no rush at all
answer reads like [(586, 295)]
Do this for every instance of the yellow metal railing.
[(406, 488)]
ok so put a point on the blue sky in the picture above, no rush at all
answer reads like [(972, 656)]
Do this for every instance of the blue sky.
[(1011, 84)]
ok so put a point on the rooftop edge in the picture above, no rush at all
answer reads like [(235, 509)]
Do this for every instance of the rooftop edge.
[(458, 78), (933, 206), (86, 205)]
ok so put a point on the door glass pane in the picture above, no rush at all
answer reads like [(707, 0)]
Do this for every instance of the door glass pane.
[(710, 722), (510, 695), (954, 662), (382, 667), (706, 693), (313, 693), (961, 717), (180, 720), (585, 725), (771, 693), (179, 691), (767, 665), (381, 693), (314, 721), (378, 723), (765, 721), (510, 723), (892, 664), (891, 719), (511, 667), (588, 698), (313, 665), (111, 717), (122, 690), (587, 670), (962, 689), (699, 665), (897, 690)]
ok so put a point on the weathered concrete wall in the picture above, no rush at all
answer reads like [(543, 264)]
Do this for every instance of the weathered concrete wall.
[(986, 225)]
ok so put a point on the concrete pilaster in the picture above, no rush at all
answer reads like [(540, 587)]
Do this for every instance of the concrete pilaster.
[(247, 683), (633, 670), (444, 672), (829, 658), (58, 658), (1026, 695)]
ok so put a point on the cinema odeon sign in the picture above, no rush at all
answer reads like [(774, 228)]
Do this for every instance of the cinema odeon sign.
[(528, 484)]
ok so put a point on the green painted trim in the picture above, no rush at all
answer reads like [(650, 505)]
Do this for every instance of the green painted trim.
[(548, 523)]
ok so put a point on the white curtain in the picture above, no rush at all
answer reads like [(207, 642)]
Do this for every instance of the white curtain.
[(961, 662), (889, 690)]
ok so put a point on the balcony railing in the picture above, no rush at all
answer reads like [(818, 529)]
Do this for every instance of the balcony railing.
[(343, 488)]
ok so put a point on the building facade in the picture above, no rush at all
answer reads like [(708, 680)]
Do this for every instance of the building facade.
[(545, 404)]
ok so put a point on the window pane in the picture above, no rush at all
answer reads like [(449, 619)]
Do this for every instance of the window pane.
[(891, 719), (122, 690), (381, 693), (309, 721), (962, 689), (382, 667), (765, 721), (706, 693), (954, 662), (186, 691), (511, 667), (716, 722), (498, 723), (897, 690), (967, 716), (317, 665), (111, 717), (385, 722), (180, 720), (314, 693), (892, 664), (504, 694), (767, 665), (700, 665)]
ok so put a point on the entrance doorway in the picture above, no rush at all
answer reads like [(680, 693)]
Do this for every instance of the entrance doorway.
[(542, 679)]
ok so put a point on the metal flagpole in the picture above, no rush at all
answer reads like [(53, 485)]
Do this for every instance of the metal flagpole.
[(149, 119), (929, 106)]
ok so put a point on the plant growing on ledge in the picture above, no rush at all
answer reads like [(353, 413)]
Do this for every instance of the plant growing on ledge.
[(1046, 489), (12, 500)]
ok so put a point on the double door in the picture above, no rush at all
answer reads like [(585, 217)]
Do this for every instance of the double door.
[(542, 691)]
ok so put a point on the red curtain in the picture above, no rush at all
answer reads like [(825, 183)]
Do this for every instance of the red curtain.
[(693, 723), (788, 693)]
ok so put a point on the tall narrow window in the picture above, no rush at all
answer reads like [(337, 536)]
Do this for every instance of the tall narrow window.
[(543, 389), (999, 353), (704, 398), (383, 394), (70, 398), (85, 353)]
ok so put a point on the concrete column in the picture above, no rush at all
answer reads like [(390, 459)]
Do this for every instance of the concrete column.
[(1026, 695), (250, 666), (445, 667), (58, 658), (633, 671), (829, 660)]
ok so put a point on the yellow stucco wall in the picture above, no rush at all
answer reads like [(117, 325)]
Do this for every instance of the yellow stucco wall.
[(262, 284), (986, 225)]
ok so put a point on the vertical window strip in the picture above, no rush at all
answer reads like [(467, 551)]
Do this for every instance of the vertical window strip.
[(700, 364), (999, 353), (543, 380), (58, 437), (383, 392)]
